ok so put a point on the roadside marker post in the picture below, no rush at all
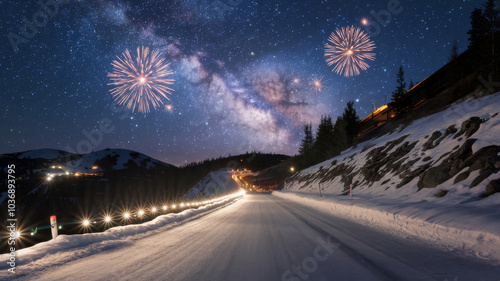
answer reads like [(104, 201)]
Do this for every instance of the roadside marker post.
[(53, 226)]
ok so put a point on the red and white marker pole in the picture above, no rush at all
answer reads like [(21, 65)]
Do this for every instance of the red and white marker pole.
[(53, 226)]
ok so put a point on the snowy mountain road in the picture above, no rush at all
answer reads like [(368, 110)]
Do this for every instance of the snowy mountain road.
[(263, 237)]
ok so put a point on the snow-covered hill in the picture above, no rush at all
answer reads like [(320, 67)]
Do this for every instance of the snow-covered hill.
[(46, 153), (122, 157), (114, 159), (437, 178), (453, 155), (214, 184)]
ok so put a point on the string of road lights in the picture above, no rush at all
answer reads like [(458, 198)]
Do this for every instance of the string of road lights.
[(127, 216)]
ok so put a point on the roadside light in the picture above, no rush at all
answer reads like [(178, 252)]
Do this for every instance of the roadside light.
[(174, 206), (164, 207), (182, 205), (141, 212), (86, 223), (292, 169), (126, 215), (153, 209), (107, 219)]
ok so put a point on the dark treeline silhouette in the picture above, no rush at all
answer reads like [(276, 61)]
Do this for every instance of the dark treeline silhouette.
[(330, 140)]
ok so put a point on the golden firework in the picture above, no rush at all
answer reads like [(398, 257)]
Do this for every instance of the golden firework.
[(141, 81), (350, 50)]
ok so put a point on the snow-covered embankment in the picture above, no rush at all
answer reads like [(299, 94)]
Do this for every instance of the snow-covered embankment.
[(437, 179)]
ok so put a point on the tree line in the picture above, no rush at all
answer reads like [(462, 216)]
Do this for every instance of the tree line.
[(330, 139)]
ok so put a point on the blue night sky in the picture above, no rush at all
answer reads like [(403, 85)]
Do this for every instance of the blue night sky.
[(241, 75)]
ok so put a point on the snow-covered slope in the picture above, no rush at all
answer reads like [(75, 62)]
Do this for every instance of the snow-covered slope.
[(117, 159), (122, 156), (46, 153), (215, 183), (436, 178), (456, 151)]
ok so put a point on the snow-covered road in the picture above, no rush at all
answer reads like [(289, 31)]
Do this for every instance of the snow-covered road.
[(264, 237)]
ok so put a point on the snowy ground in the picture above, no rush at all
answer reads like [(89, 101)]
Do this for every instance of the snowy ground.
[(260, 237), (458, 220)]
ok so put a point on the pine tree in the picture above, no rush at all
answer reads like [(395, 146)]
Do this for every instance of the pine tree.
[(453, 53), (308, 141), (479, 27), (491, 14), (351, 119), (411, 84), (341, 136), (323, 146), (398, 94)]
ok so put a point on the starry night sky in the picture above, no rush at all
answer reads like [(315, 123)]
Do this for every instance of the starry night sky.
[(241, 76)]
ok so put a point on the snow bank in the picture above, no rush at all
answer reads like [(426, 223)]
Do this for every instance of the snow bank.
[(66, 248)]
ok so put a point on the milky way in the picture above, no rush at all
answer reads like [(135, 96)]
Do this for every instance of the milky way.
[(242, 70)]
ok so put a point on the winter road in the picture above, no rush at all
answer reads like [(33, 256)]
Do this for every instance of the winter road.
[(262, 237)]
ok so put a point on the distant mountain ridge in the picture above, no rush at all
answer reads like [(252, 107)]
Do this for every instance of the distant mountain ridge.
[(113, 159)]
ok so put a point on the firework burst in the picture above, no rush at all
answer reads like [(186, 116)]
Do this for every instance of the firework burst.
[(316, 83), (142, 81), (350, 50)]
